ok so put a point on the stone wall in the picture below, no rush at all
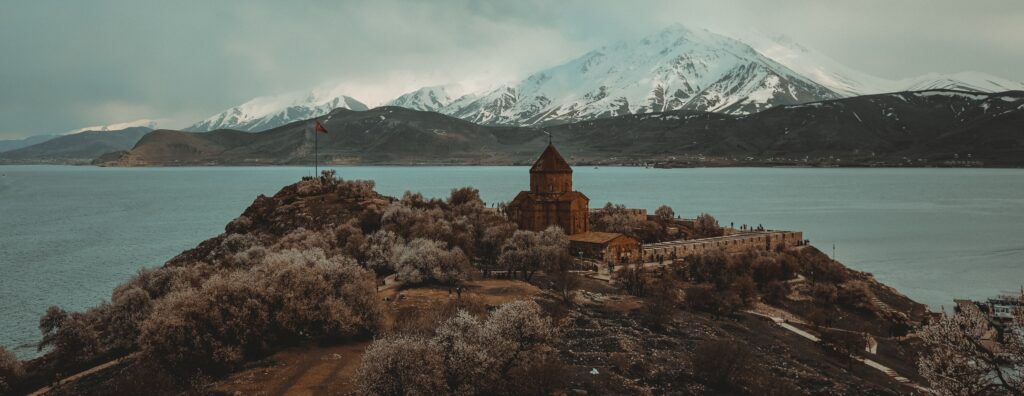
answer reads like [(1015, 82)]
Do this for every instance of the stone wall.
[(758, 240)]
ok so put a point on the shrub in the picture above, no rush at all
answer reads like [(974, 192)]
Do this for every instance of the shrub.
[(661, 300), (775, 292), (314, 297), (467, 355), (210, 329), (380, 250), (708, 299), (528, 251), (70, 335), (402, 365), (291, 295), (464, 196), (745, 288), (706, 226), (425, 260), (855, 295), (824, 292), (11, 371), (722, 363)]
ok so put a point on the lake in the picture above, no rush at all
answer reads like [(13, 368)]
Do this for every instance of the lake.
[(68, 235)]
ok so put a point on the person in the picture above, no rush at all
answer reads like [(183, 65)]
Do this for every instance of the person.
[(458, 292)]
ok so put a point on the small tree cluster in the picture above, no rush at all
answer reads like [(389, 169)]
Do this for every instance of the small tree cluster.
[(616, 218), (466, 355), (290, 296), (527, 252)]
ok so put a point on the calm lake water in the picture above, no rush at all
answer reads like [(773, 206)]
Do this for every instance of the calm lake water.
[(68, 235)]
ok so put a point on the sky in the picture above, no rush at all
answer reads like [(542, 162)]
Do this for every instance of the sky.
[(71, 64)]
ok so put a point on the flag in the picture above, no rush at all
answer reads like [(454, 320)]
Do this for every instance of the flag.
[(319, 128)]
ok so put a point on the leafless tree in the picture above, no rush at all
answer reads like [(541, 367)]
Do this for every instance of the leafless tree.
[(958, 362)]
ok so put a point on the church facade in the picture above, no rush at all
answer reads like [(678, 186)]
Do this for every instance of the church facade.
[(551, 199)]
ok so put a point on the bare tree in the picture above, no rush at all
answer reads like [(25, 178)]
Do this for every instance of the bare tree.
[(958, 362)]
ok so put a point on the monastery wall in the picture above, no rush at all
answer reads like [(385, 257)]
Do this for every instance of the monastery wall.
[(736, 243)]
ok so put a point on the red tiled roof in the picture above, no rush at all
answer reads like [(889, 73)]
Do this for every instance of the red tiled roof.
[(594, 237)]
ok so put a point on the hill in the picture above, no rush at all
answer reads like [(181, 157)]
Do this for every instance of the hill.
[(14, 144), (924, 128), (78, 148), (330, 284)]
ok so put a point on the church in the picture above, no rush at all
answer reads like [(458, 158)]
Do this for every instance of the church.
[(550, 200)]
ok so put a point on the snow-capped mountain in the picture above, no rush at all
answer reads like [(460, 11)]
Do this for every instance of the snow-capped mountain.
[(147, 123), (432, 98), (849, 82), (676, 68), (268, 112)]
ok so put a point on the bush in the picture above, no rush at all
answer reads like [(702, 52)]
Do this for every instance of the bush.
[(11, 371), (824, 292), (722, 363), (425, 260), (855, 295), (776, 292), (706, 226), (708, 299), (528, 251), (233, 317), (402, 365), (70, 335), (467, 355), (210, 329)]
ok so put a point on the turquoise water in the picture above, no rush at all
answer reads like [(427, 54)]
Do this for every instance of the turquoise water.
[(68, 235)]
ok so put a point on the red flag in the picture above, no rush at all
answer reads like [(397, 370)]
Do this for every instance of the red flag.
[(319, 128)]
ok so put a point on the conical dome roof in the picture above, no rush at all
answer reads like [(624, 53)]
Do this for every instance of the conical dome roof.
[(551, 161)]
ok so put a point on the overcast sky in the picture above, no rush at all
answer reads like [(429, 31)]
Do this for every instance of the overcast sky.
[(66, 65)]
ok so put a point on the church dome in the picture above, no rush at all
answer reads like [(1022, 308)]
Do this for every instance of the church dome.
[(551, 161)]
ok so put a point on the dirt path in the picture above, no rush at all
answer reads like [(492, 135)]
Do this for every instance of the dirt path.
[(870, 363), (84, 374)]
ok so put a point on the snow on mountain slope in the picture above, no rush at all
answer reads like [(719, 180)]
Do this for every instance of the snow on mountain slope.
[(433, 98), (964, 81), (268, 112), (676, 68), (849, 82), (148, 123)]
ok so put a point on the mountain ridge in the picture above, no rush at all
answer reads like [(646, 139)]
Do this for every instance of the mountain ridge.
[(923, 128)]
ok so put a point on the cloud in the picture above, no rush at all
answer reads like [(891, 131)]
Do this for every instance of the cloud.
[(71, 64)]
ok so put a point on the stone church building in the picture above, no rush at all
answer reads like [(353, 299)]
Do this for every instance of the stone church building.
[(551, 199)]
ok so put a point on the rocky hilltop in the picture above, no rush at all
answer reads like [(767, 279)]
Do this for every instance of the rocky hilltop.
[(327, 276)]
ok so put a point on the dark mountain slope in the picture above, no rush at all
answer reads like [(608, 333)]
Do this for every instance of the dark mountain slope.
[(928, 128)]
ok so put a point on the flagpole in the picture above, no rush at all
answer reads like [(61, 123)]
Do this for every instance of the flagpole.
[(316, 160)]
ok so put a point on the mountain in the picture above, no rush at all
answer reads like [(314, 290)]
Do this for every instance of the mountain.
[(14, 144), (270, 112), (675, 69), (380, 135), (145, 123), (850, 82), (926, 128), (77, 148), (432, 98)]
